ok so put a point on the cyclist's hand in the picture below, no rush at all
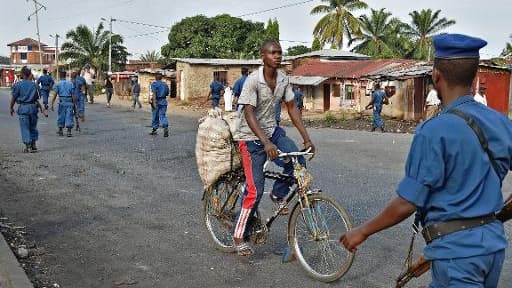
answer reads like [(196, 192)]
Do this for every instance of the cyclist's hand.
[(271, 150), (310, 145), (352, 239)]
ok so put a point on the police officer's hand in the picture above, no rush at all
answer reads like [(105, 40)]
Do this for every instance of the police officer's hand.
[(271, 150), (352, 239), (12, 111)]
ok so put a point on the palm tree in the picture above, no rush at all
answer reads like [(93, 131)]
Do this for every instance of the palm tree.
[(150, 56), (338, 22), (507, 52), (424, 25), (379, 35), (85, 46)]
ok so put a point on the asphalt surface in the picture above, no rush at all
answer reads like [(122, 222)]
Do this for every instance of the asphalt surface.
[(114, 206)]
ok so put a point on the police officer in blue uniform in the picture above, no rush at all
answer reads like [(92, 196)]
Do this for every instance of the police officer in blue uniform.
[(451, 180), (80, 86), (216, 89), (46, 83), (67, 99), (24, 93), (377, 103), (239, 84), (159, 92)]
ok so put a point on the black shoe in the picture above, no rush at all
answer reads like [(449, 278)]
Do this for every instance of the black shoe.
[(166, 132), (382, 129), (33, 147), (280, 203), (153, 132), (60, 133), (69, 133), (27, 149), (373, 129)]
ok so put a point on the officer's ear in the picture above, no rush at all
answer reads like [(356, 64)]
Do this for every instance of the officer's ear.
[(436, 77)]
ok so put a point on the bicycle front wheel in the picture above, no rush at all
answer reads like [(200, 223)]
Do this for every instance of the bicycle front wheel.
[(219, 213), (313, 236)]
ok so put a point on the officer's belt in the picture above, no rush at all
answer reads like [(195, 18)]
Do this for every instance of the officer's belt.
[(26, 103), (441, 229)]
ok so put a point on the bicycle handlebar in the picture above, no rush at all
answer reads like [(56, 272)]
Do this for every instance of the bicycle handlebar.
[(283, 155)]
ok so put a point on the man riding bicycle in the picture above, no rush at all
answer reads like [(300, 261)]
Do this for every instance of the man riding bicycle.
[(260, 138)]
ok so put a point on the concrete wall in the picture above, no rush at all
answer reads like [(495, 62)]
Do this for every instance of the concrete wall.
[(145, 80), (193, 81)]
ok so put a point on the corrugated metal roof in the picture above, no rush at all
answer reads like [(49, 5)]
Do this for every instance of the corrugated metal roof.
[(26, 42), (307, 80), (223, 62), (347, 69), (331, 53)]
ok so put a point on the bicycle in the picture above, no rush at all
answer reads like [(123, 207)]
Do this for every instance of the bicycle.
[(314, 225)]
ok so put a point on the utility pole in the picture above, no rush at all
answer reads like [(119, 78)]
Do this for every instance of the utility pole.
[(56, 55), (38, 7), (109, 43)]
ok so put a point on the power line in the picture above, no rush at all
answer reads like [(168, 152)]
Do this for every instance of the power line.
[(147, 34), (276, 8), (140, 33), (294, 41), (143, 24)]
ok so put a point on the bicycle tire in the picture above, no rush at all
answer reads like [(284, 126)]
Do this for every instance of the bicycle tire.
[(218, 224), (341, 264)]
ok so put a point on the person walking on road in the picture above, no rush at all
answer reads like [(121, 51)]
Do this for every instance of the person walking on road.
[(136, 93), (45, 82), (453, 176), (299, 99), (80, 87), (24, 93), (377, 103), (432, 102), (239, 85), (109, 89), (67, 99), (216, 90), (159, 93), (89, 76)]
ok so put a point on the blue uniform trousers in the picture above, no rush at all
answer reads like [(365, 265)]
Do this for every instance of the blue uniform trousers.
[(159, 117), (253, 159), (45, 94), (215, 101), (377, 119), (65, 114), (473, 272), (27, 114), (80, 104)]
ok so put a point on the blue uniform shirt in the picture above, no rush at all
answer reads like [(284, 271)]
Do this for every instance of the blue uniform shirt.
[(64, 88), (449, 176), (78, 83), (239, 85), (46, 82), (216, 87), (378, 97), (24, 91), (160, 91), (298, 99)]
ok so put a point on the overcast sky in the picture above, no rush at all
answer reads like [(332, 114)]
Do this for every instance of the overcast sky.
[(487, 19)]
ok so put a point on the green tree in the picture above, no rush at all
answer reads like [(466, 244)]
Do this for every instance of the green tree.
[(85, 46), (5, 60), (298, 50), (338, 22), (272, 30), (222, 36), (424, 24), (150, 56), (316, 45), (382, 36), (507, 52)]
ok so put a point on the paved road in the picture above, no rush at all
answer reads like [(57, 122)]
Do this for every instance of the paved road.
[(114, 204)]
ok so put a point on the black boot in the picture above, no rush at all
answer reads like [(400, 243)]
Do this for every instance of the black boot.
[(27, 149), (373, 128), (153, 132), (69, 133), (33, 147), (60, 133), (166, 132), (382, 129)]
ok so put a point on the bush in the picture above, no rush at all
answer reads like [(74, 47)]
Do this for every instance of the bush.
[(330, 118)]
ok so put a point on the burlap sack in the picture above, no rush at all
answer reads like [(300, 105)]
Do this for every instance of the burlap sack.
[(216, 151)]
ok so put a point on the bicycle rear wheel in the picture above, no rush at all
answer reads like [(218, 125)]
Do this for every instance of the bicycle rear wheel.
[(218, 215), (313, 236)]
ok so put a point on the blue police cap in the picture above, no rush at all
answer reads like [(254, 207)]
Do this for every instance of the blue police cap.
[(453, 46)]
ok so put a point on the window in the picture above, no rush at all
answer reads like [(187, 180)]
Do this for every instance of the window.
[(349, 92), (23, 56), (223, 76), (29, 48)]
